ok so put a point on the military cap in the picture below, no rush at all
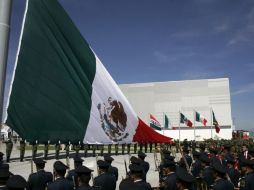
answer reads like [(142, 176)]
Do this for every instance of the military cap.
[(39, 161), (218, 167), (134, 168), (1, 154), (108, 158), (78, 159), (16, 182), (195, 153), (135, 160), (168, 157), (83, 170), (183, 175), (102, 164), (168, 163), (59, 166), (4, 173), (204, 158), (164, 151), (141, 154), (230, 159)]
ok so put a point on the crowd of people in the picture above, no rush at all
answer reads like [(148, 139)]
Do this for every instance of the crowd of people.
[(217, 165)]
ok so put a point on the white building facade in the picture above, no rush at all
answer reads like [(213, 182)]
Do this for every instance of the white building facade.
[(173, 97)]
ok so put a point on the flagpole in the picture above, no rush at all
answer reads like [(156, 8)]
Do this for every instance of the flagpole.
[(194, 125), (179, 131), (211, 114), (5, 10)]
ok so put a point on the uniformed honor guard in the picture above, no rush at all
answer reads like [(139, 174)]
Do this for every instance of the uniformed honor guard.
[(57, 147), (86, 147), (60, 181), (104, 180), (40, 179), (22, 148), (46, 150), (144, 164), (67, 149), (34, 149), (16, 182), (109, 148), (233, 173), (77, 147), (72, 175), (207, 172), (196, 165), (184, 180), (116, 149), (128, 148), (135, 148), (145, 147), (84, 176), (113, 170), (150, 147), (169, 181), (136, 172), (123, 148), (9, 146), (247, 169)]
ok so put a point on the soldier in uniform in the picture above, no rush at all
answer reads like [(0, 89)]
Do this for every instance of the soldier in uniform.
[(187, 158), (105, 180), (150, 147), (109, 148), (46, 150), (16, 182), (207, 172), (141, 146), (9, 145), (169, 181), (184, 180), (77, 147), (86, 147), (196, 165), (67, 149), (145, 147), (136, 175), (247, 169), (135, 148), (34, 149), (233, 174), (22, 148), (123, 148), (57, 147), (220, 183), (84, 176), (113, 170), (116, 149), (144, 164), (128, 148), (40, 179), (60, 183), (72, 175)]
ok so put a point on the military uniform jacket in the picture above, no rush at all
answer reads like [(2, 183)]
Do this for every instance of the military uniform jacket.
[(106, 181), (72, 174), (143, 185), (222, 184), (125, 184), (60, 184), (196, 168), (114, 171), (39, 180), (234, 176), (249, 181), (207, 176), (170, 182)]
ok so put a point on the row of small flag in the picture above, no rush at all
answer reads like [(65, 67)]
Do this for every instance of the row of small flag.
[(154, 123)]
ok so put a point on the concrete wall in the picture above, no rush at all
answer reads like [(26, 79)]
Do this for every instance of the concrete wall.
[(184, 96)]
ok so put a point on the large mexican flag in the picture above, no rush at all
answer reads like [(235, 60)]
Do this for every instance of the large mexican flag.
[(60, 89)]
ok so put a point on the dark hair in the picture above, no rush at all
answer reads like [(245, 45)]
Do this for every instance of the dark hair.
[(84, 178)]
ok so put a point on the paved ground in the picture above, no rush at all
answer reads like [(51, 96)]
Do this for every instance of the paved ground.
[(24, 168)]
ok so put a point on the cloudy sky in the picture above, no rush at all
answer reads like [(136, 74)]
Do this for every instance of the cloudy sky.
[(165, 40)]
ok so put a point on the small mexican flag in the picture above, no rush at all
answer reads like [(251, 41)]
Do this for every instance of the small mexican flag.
[(216, 124), (200, 118), (154, 123), (185, 120)]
